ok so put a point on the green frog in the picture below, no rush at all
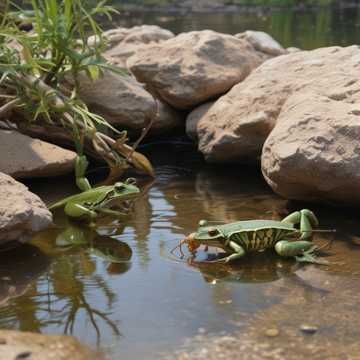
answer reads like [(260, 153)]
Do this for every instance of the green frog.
[(94, 201)]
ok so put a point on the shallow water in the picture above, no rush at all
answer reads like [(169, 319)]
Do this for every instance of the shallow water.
[(151, 304)]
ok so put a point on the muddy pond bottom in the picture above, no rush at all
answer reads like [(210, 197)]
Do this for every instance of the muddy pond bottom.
[(151, 304)]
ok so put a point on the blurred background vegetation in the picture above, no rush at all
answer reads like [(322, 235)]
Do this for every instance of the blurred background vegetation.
[(299, 3)]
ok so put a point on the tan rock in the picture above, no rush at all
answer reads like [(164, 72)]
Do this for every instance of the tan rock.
[(22, 213), (121, 100), (26, 345), (124, 42), (194, 67), (124, 103), (313, 153), (25, 157), (194, 117), (263, 42), (237, 125)]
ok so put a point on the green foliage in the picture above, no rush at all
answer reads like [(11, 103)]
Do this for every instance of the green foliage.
[(34, 67)]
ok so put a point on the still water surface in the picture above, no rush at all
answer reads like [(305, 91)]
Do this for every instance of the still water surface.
[(149, 304)]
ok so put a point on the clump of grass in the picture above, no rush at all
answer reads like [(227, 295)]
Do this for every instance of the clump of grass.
[(34, 65)]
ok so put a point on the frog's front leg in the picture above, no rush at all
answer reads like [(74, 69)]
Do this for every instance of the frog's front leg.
[(77, 210), (301, 250), (239, 252), (81, 165)]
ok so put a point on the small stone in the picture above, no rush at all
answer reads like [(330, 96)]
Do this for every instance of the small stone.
[(201, 330), (2, 341), (273, 332), (308, 329)]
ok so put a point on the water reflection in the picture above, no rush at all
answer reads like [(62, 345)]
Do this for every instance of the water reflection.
[(254, 268), (18, 268), (64, 299), (306, 29)]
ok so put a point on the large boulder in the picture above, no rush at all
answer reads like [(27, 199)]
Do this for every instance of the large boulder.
[(194, 67), (25, 345), (313, 153), (237, 125), (124, 42), (25, 157), (22, 213)]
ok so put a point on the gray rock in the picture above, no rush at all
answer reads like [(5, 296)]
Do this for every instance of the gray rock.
[(25, 157), (22, 213)]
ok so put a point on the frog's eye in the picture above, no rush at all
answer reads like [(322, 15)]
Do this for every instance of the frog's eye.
[(119, 186), (130, 181), (203, 223), (213, 232)]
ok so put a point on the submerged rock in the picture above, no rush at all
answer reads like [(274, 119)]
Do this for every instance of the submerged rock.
[(22, 213), (25, 345), (194, 67), (25, 157), (237, 125)]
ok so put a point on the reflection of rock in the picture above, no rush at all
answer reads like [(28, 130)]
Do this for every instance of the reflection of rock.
[(24, 345), (22, 213), (25, 157), (19, 267), (240, 197)]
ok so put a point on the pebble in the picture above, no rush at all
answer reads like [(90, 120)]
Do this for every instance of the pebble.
[(2, 341), (308, 329), (272, 332)]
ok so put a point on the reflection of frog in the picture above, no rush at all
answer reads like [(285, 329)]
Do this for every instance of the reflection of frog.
[(98, 200), (105, 247), (256, 268)]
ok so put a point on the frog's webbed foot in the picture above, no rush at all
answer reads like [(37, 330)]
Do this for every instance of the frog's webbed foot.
[(309, 257)]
